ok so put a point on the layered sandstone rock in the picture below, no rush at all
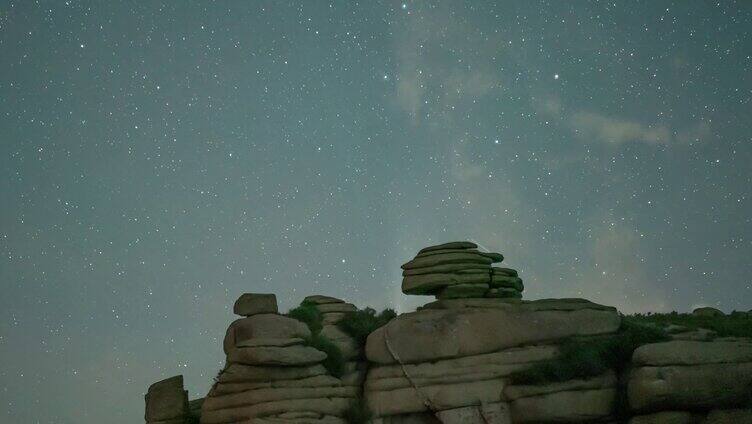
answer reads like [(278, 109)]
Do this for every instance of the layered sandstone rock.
[(691, 375), (272, 376), (167, 402), (459, 270)]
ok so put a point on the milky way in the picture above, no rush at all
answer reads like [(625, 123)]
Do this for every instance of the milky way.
[(160, 159)]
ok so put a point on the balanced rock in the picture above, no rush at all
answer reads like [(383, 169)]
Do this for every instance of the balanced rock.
[(450, 245), (255, 303), (264, 326), (457, 270)]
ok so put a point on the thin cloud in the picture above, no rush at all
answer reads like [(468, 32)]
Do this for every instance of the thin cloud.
[(598, 127)]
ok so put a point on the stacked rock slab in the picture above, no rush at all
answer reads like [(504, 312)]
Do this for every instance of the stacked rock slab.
[(459, 270), (690, 381), (167, 402), (451, 361), (333, 311), (271, 375)]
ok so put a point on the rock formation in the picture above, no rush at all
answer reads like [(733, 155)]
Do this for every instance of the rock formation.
[(271, 374), (476, 354), (457, 270)]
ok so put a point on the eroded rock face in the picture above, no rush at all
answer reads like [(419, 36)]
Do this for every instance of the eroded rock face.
[(677, 387), (264, 326), (272, 376), (255, 303), (432, 334), (453, 361), (167, 401)]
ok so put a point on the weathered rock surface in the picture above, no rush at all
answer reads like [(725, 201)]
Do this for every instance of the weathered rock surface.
[(255, 303), (689, 387), (272, 376), (450, 245), (679, 352), (264, 326), (274, 355), (488, 413), (577, 406), (448, 258), (467, 331), (166, 400)]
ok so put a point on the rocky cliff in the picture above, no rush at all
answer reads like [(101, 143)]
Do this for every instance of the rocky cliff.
[(477, 354)]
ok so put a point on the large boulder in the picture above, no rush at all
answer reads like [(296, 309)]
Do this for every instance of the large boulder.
[(450, 245), (576, 406), (274, 355), (264, 326), (569, 401), (432, 334), (166, 400), (678, 375), (255, 303), (680, 387)]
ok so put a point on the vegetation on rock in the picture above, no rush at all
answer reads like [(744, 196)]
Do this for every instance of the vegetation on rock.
[(359, 324), (334, 362), (309, 314), (737, 324), (585, 358)]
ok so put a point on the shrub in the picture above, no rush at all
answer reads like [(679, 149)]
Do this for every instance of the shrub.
[(334, 362), (309, 314), (216, 377), (359, 324), (580, 358), (357, 412)]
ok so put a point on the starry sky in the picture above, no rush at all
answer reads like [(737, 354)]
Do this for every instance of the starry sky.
[(159, 159)]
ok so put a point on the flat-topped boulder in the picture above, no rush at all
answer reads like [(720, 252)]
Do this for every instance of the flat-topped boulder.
[(255, 303), (437, 333), (459, 270), (450, 245), (166, 400), (321, 300), (264, 326), (448, 258)]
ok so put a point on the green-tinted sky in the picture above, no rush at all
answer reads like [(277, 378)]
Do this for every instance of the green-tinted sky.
[(160, 159)]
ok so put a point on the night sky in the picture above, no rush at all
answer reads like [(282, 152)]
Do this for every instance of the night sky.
[(160, 159)]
